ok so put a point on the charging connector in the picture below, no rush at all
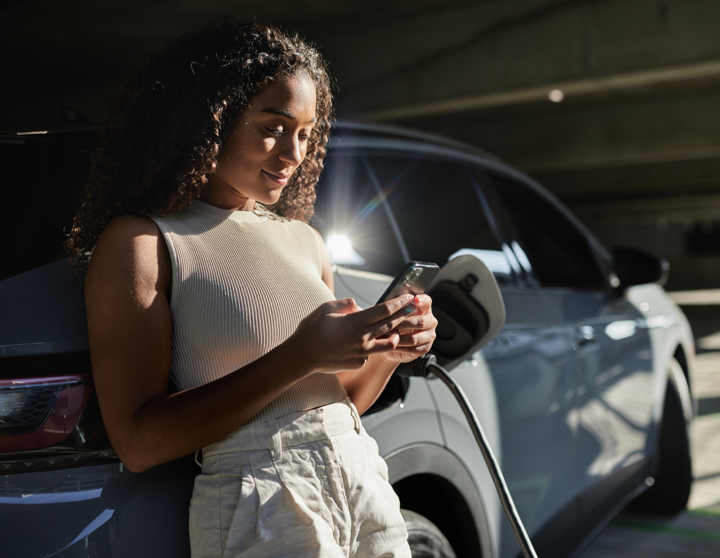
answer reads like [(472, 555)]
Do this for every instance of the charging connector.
[(427, 367)]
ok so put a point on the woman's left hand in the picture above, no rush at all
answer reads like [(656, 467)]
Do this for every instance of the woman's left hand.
[(417, 333)]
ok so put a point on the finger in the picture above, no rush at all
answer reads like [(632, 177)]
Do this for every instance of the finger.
[(343, 306), (414, 352), (417, 322), (385, 309), (391, 323), (423, 303), (416, 339), (384, 345)]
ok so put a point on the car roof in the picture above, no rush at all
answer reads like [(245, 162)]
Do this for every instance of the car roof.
[(390, 132), (349, 135)]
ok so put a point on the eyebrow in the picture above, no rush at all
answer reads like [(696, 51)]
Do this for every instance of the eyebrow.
[(285, 113)]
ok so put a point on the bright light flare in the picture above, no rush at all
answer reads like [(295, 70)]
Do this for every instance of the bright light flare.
[(342, 252), (339, 244)]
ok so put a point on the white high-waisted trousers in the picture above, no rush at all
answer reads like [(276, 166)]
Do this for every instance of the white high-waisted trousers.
[(305, 485)]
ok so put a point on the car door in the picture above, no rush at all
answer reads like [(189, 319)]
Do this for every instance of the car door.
[(611, 354), (366, 249), (523, 376)]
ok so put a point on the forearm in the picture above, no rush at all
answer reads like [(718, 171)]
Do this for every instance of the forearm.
[(148, 426), (170, 426), (366, 384)]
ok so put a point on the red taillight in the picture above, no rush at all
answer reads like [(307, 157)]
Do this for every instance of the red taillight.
[(23, 409), (40, 412), (51, 423)]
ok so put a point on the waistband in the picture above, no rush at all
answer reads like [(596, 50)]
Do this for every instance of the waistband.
[(291, 430)]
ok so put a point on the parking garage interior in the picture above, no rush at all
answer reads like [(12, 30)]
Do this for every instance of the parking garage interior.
[(612, 105)]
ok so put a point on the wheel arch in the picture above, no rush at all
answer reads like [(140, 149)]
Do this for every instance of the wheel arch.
[(432, 481), (678, 378), (671, 460), (682, 360)]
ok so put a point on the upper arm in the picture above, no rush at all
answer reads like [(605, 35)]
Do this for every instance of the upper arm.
[(129, 320), (327, 275)]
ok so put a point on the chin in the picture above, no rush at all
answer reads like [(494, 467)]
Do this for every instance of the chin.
[(270, 198)]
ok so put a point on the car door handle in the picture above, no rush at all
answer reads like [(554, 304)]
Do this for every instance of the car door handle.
[(584, 335)]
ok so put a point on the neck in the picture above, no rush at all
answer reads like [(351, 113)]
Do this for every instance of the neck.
[(220, 194)]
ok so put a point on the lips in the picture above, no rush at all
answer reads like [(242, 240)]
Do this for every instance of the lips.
[(279, 179)]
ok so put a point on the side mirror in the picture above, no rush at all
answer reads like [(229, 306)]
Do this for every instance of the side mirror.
[(469, 308), (638, 267)]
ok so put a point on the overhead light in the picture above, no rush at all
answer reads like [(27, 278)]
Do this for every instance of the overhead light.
[(556, 95)]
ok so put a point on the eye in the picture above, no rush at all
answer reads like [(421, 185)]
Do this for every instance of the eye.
[(306, 136), (276, 133)]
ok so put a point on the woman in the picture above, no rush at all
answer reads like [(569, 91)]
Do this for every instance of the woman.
[(211, 318)]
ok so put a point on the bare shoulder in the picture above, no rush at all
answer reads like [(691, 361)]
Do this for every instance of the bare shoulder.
[(129, 229), (130, 254)]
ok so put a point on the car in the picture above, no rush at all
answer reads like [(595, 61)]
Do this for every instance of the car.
[(584, 394)]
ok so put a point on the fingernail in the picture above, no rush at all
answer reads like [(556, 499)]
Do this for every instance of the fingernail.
[(407, 298)]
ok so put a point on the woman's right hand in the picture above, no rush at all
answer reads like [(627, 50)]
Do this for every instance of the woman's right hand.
[(340, 336)]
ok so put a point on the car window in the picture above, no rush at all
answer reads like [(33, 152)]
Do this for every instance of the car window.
[(438, 210), (359, 230), (557, 252)]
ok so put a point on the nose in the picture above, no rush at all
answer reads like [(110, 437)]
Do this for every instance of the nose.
[(292, 150)]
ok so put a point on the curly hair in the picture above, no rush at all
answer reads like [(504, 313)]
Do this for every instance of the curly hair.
[(166, 131)]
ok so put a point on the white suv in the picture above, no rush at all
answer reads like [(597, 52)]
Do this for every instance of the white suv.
[(584, 394)]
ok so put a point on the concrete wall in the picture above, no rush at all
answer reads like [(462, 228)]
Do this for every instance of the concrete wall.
[(500, 46), (633, 143), (633, 148)]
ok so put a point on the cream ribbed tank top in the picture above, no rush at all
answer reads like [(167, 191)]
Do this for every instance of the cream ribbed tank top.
[(241, 283)]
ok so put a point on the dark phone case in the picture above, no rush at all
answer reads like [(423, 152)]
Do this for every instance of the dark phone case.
[(430, 270)]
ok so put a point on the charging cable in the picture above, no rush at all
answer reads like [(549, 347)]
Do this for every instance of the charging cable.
[(426, 367)]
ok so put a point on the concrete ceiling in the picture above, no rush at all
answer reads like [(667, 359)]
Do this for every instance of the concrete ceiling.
[(641, 78), (61, 53)]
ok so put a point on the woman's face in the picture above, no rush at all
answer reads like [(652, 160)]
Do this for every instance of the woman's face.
[(269, 142)]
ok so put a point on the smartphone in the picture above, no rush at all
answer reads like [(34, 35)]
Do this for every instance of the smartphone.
[(414, 278)]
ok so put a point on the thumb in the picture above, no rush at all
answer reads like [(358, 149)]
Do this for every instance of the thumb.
[(345, 306)]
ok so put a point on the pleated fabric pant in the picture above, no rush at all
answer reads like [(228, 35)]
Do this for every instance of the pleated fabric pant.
[(309, 484)]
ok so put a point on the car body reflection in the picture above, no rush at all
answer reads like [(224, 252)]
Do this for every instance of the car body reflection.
[(97, 512)]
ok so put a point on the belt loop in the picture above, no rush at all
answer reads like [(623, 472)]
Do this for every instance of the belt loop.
[(276, 439), (354, 413)]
